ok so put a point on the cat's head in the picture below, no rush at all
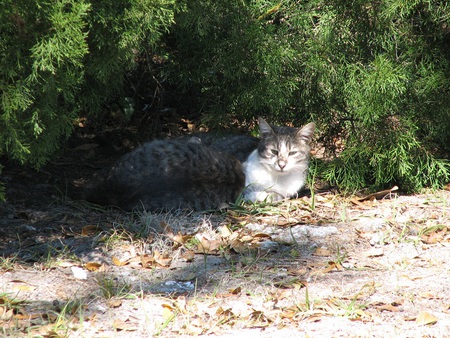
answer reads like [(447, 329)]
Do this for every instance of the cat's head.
[(284, 149)]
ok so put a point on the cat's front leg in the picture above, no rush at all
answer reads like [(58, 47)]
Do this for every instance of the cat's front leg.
[(263, 196)]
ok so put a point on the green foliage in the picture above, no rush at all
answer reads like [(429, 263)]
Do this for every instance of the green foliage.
[(375, 76), (61, 58)]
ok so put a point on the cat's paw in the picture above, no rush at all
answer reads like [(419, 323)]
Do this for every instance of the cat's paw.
[(263, 196)]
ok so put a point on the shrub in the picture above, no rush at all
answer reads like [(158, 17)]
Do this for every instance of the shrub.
[(374, 75)]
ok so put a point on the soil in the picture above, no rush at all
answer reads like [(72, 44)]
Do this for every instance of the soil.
[(322, 265)]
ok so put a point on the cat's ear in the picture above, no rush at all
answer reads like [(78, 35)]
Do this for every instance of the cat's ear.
[(305, 134), (264, 128)]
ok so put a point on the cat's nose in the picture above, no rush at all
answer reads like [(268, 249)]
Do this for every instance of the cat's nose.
[(282, 163)]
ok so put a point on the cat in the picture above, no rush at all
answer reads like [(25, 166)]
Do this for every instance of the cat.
[(278, 168), (204, 172), (239, 146), (167, 175)]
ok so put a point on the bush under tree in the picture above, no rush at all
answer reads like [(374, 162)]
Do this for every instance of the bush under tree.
[(63, 58), (374, 75)]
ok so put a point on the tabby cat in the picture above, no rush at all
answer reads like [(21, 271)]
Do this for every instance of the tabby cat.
[(279, 167), (206, 172), (167, 175)]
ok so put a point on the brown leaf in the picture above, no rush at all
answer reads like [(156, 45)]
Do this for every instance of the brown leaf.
[(293, 283), (208, 245), (161, 260), (392, 307), (117, 262), (93, 266), (124, 325), (90, 230), (180, 238), (236, 291), (377, 195), (147, 261), (322, 252), (188, 256), (114, 303), (332, 266)]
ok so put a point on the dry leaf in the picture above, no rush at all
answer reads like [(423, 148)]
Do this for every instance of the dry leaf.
[(425, 318), (90, 230), (225, 232), (236, 291), (208, 246), (162, 260), (147, 261), (124, 325), (93, 266), (332, 266), (188, 256), (117, 262), (114, 303), (24, 287), (392, 307), (322, 252), (168, 311)]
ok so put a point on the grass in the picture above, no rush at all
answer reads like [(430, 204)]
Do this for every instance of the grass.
[(111, 287), (8, 263), (245, 287)]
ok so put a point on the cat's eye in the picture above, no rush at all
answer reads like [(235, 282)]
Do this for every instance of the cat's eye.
[(291, 153), (274, 151)]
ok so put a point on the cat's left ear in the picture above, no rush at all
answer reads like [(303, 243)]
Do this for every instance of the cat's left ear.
[(306, 132), (264, 128)]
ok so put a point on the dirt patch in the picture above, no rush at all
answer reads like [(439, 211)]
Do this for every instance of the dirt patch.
[(318, 266)]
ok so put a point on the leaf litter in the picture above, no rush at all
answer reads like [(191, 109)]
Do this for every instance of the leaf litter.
[(370, 266)]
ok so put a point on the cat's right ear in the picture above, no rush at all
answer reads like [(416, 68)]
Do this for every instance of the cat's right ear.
[(264, 128), (306, 132)]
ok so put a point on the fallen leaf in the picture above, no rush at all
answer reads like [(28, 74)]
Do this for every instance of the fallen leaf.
[(147, 261), (114, 303), (162, 260), (24, 287), (332, 266), (188, 256), (117, 262), (124, 325), (90, 230), (225, 232), (93, 266), (293, 283), (236, 291), (426, 318), (392, 307), (322, 252)]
